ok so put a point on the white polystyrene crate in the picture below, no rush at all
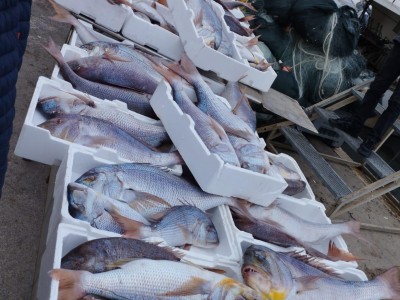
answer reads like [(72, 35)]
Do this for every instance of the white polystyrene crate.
[(102, 12), (66, 237), (206, 58), (77, 163), (38, 144), (210, 172), (154, 36), (71, 52), (290, 162)]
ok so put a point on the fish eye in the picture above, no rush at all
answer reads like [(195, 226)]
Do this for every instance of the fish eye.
[(58, 121), (209, 228)]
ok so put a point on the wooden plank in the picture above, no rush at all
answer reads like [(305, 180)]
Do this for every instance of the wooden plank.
[(384, 139), (373, 227), (342, 103), (340, 160), (288, 108), (274, 127)]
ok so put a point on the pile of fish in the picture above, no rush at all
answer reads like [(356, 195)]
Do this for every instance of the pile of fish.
[(278, 275)]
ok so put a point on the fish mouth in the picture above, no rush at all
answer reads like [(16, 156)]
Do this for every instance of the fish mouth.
[(249, 269)]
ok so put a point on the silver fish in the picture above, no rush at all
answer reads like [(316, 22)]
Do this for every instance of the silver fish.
[(210, 132), (96, 133), (177, 226), (138, 102), (295, 183), (105, 254), (303, 230), (110, 71), (88, 205), (123, 181), (326, 286), (152, 279), (239, 103), (265, 272), (145, 132)]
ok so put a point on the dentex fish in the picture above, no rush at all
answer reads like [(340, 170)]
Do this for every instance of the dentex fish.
[(154, 279), (96, 133), (93, 207), (112, 71), (105, 254), (304, 230), (209, 131), (271, 233), (295, 183), (138, 102), (178, 226), (313, 282), (265, 272), (129, 182), (239, 103), (150, 134)]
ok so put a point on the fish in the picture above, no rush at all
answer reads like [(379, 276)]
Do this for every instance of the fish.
[(152, 279), (64, 16), (305, 231), (236, 4), (124, 181), (105, 254), (271, 233), (323, 285), (150, 134), (88, 205), (110, 71), (138, 102), (96, 133), (209, 131), (235, 26), (295, 183), (240, 104), (265, 272), (178, 226)]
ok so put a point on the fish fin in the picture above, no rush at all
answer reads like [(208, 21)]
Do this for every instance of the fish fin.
[(188, 66), (234, 4), (69, 287), (88, 140), (238, 104), (306, 283), (252, 42), (198, 19), (118, 263), (170, 76), (218, 271), (313, 262), (112, 58), (392, 279), (132, 228), (85, 98), (179, 254), (217, 127), (186, 232), (192, 287), (187, 247), (54, 51), (294, 187), (247, 18), (240, 207), (340, 254), (62, 15)]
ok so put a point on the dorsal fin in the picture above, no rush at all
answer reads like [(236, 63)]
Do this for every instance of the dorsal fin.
[(313, 262)]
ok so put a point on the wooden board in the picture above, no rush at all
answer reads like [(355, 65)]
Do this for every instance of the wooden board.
[(287, 108)]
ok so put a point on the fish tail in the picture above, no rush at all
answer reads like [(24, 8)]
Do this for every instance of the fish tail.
[(240, 207), (62, 15), (54, 51), (132, 229), (69, 288), (336, 254), (170, 76), (392, 281), (190, 69), (353, 228)]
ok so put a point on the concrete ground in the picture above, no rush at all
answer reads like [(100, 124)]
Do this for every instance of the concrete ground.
[(25, 190)]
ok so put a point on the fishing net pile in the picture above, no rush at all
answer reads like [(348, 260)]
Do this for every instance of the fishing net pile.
[(312, 46)]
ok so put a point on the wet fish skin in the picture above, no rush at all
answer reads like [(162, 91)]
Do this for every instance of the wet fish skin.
[(96, 133), (124, 74), (118, 182), (295, 183), (239, 103), (145, 277), (265, 272), (138, 102), (149, 134), (178, 226), (105, 254), (88, 205)]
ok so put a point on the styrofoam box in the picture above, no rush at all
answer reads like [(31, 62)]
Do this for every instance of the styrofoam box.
[(66, 237), (101, 11), (306, 211), (312, 211), (71, 52), (210, 172), (290, 162), (77, 163), (38, 144), (206, 58), (154, 36)]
